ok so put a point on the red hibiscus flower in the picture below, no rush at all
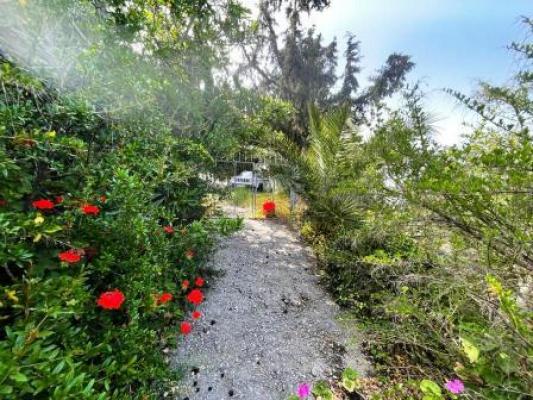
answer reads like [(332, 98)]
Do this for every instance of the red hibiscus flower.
[(185, 328), (195, 297), (189, 254), (3, 202), (168, 229), (71, 256), (89, 209), (199, 282), (185, 284), (58, 199), (196, 315), (164, 298), (111, 300), (269, 208), (43, 204)]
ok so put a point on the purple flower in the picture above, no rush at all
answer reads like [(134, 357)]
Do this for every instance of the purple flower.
[(455, 386), (303, 390)]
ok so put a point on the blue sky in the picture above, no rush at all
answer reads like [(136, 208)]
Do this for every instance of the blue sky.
[(454, 43)]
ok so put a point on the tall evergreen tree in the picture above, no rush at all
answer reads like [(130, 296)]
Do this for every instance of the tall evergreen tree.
[(298, 67), (352, 56)]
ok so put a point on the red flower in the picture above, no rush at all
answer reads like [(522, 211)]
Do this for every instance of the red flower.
[(164, 298), (195, 297), (185, 328), (111, 300), (269, 207), (89, 209), (189, 254), (199, 282), (58, 199), (196, 315), (3, 202), (43, 204), (71, 256), (168, 229), (185, 284)]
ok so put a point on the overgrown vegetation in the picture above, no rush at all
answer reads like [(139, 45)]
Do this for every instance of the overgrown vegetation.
[(102, 203), (431, 247), (113, 113)]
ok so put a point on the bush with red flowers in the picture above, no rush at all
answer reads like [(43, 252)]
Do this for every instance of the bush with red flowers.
[(77, 311)]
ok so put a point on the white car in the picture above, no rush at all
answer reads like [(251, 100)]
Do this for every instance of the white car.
[(251, 180)]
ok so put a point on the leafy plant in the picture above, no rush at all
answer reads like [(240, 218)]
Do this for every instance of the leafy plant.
[(431, 390), (350, 380), (322, 391)]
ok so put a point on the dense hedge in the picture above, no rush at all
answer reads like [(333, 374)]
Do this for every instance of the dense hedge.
[(121, 205)]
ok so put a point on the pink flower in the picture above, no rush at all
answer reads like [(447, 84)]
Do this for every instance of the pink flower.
[(455, 386), (304, 390)]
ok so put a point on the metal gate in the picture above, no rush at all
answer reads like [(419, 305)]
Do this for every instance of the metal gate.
[(246, 182)]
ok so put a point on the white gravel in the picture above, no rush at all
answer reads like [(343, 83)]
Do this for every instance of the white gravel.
[(267, 323)]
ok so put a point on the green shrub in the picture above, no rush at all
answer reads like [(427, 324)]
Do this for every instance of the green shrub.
[(55, 341)]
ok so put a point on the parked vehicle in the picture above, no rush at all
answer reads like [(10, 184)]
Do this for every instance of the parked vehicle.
[(251, 180)]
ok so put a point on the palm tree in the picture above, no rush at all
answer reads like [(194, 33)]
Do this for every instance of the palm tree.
[(319, 173)]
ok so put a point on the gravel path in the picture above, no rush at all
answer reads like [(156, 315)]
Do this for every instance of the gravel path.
[(267, 326)]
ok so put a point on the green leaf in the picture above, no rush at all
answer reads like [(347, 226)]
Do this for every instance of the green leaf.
[(19, 377), (471, 351), (6, 389), (58, 367), (430, 388)]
